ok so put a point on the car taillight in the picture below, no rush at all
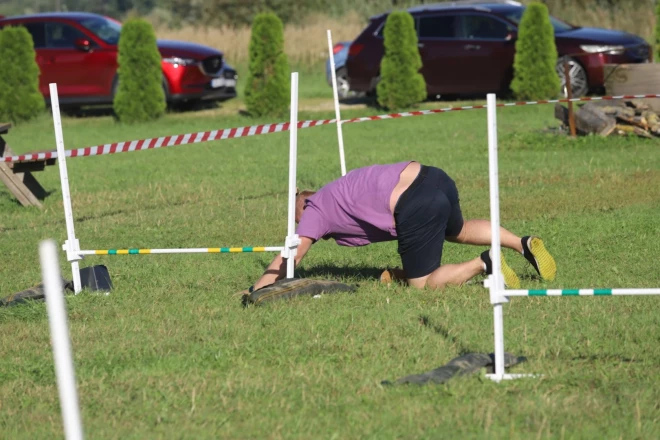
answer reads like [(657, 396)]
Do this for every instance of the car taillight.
[(338, 47), (355, 49)]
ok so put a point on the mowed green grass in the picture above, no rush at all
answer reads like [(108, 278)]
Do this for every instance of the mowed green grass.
[(171, 353)]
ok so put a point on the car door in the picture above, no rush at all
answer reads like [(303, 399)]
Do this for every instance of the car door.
[(38, 32), (442, 54), (489, 50), (77, 71)]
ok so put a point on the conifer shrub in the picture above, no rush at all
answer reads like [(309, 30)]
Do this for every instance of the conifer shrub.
[(139, 96), (535, 62), (20, 98), (401, 85), (267, 88)]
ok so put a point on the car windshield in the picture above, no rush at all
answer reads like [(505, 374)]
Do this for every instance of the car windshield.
[(106, 30), (559, 25)]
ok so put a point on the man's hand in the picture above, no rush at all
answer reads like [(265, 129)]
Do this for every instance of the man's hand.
[(276, 270), (242, 293)]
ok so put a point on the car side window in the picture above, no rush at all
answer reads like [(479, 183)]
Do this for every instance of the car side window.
[(483, 27), (437, 26), (38, 32), (381, 29), (62, 36)]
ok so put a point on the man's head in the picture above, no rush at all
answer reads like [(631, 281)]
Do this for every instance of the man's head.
[(301, 196)]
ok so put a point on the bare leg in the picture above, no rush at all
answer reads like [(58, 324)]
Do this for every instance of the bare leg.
[(449, 274), (474, 232), (477, 232)]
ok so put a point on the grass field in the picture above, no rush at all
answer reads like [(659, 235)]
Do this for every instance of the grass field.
[(171, 353)]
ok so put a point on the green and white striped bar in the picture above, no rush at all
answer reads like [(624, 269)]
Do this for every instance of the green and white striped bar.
[(581, 292), (224, 250)]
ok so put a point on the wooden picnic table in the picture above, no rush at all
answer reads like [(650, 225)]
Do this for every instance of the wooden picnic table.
[(18, 177)]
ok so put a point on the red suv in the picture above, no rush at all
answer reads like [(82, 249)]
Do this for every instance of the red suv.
[(468, 47), (78, 51)]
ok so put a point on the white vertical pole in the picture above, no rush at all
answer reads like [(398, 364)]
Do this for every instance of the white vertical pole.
[(340, 135), (71, 245), (496, 283), (291, 239), (59, 334)]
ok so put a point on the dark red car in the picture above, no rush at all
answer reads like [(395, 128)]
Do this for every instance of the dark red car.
[(468, 48), (78, 51)]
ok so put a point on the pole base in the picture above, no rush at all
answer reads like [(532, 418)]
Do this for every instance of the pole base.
[(500, 377), (96, 278)]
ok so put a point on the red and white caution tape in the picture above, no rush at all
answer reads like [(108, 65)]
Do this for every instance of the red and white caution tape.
[(167, 141), (230, 133), (508, 104)]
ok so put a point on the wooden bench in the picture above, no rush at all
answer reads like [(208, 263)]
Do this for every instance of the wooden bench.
[(18, 176)]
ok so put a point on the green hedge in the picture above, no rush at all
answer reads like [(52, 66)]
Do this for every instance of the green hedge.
[(535, 75), (20, 98), (267, 88), (139, 94), (401, 85)]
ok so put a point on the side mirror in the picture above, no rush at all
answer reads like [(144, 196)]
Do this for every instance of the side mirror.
[(511, 36), (83, 44)]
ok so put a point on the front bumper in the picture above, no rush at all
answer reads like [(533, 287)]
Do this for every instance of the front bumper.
[(219, 94), (595, 63), (220, 88), (189, 83)]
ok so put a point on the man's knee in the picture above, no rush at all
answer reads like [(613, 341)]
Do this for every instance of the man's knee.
[(458, 238), (419, 283), (452, 239)]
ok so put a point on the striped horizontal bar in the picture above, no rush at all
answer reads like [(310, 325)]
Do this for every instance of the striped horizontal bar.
[(230, 133), (224, 250), (581, 292)]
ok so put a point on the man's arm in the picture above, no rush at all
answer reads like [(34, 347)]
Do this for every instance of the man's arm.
[(277, 268)]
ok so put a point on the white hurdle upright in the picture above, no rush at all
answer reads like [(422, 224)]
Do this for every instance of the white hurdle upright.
[(59, 335), (292, 240), (499, 295), (495, 282), (340, 134), (72, 245)]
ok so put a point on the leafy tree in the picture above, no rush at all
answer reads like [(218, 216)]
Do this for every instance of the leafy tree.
[(401, 85), (20, 98), (535, 75), (267, 87), (139, 96)]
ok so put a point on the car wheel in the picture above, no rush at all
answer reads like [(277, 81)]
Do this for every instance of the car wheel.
[(373, 92), (343, 86), (578, 76)]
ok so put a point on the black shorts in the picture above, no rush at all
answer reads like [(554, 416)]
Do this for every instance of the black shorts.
[(425, 213)]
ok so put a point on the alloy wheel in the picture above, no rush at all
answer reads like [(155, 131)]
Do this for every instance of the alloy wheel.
[(578, 76)]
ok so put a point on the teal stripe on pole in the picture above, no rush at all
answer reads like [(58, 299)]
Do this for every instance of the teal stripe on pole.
[(569, 292), (602, 291), (581, 292)]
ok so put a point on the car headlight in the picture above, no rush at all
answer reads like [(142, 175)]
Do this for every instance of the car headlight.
[(610, 50), (179, 61)]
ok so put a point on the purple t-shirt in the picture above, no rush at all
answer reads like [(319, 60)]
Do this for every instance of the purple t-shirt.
[(354, 209)]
